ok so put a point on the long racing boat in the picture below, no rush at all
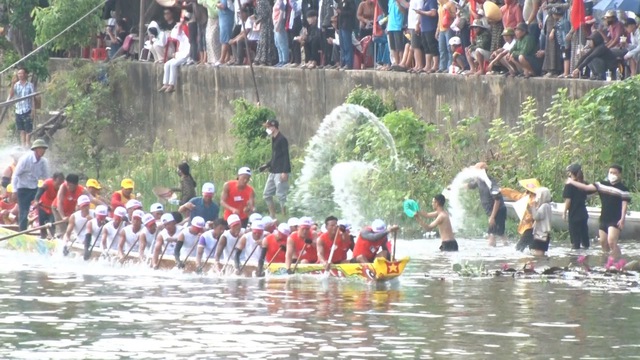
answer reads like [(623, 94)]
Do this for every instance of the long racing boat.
[(379, 271)]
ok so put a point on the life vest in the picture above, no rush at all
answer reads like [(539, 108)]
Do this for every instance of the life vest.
[(310, 252), (49, 196), (368, 248), (238, 198), (342, 248), (273, 246), (70, 200), (119, 199)]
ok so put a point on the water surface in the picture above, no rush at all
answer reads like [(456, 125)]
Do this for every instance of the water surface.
[(55, 308)]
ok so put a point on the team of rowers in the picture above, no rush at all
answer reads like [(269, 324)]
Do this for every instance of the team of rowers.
[(237, 238)]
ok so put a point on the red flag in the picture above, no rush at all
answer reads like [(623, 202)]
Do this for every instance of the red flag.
[(577, 14)]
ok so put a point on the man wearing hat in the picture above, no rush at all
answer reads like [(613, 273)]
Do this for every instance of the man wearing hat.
[(168, 237), (129, 235), (31, 167), (94, 187), (279, 169), (525, 227), (522, 58), (633, 55), (372, 242), (499, 56), (120, 197), (247, 248), (202, 206), (599, 59), (614, 29), (79, 220), (478, 51), (238, 196), (188, 238)]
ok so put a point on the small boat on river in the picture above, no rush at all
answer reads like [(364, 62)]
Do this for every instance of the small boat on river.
[(631, 227), (380, 270)]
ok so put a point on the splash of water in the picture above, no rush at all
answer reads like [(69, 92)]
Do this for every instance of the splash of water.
[(454, 194), (345, 178), (320, 154), (9, 154)]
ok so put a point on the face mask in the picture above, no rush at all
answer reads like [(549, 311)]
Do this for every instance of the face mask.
[(269, 131), (612, 178)]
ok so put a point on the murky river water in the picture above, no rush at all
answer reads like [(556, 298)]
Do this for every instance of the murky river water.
[(54, 308)]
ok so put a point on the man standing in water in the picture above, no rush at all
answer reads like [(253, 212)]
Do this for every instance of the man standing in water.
[(279, 169), (442, 222), (615, 198), (30, 168), (493, 204)]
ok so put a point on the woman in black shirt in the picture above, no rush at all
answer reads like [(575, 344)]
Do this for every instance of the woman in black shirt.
[(576, 208)]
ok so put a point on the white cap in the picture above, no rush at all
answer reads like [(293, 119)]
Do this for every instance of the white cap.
[(120, 212), (267, 220), (167, 218), (198, 222), (284, 229), (455, 41), (294, 221), (378, 226), (156, 207), (208, 188), (323, 228), (305, 221), (255, 217), (258, 225), (102, 210), (138, 213), (244, 171), (233, 219), (133, 203), (147, 219), (83, 200)]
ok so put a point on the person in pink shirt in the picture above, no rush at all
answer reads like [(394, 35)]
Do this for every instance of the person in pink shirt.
[(511, 14)]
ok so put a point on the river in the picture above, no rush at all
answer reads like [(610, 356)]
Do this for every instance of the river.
[(57, 308)]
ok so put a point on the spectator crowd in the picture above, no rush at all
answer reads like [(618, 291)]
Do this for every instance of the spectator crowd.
[(518, 38)]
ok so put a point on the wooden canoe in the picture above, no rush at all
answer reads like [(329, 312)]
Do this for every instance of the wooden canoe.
[(380, 270)]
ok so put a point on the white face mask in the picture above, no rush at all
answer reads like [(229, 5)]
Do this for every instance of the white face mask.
[(612, 178), (269, 131)]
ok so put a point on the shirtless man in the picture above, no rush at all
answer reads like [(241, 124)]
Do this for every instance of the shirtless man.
[(441, 221)]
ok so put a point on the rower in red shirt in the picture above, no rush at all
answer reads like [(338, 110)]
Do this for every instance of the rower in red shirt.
[(274, 247), (45, 197), (238, 197), (301, 245), (8, 208), (337, 233), (65, 203), (372, 242)]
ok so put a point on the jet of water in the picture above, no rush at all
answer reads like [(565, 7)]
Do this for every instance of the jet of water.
[(454, 194), (345, 178)]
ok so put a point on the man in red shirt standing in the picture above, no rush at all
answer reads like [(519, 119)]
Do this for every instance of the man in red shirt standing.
[(238, 196), (45, 197)]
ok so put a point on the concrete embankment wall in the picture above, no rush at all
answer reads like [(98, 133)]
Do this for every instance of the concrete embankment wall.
[(196, 116)]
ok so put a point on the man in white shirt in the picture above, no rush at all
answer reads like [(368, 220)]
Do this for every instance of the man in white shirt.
[(498, 56), (31, 167), (633, 55)]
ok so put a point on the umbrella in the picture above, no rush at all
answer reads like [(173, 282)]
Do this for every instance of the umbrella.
[(605, 5), (630, 5)]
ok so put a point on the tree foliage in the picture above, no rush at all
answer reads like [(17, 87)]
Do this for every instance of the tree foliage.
[(252, 147), (50, 21)]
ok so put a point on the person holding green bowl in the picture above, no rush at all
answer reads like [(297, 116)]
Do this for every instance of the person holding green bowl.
[(442, 222)]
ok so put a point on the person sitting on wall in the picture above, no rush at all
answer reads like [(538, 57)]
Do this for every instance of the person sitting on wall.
[(599, 59)]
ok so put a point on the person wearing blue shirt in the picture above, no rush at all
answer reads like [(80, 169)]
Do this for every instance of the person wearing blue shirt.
[(428, 27), (395, 23), (202, 206)]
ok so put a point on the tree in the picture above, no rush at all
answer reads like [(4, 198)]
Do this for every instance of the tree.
[(50, 21)]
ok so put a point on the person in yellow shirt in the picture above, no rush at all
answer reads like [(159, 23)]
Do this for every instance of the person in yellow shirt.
[(525, 228)]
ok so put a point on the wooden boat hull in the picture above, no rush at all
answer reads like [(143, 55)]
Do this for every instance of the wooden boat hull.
[(631, 227), (379, 270)]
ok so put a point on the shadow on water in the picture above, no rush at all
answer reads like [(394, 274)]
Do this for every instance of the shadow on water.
[(61, 309)]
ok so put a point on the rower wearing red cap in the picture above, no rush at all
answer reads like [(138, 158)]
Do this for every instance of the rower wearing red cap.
[(95, 226), (111, 232), (238, 196), (229, 239), (129, 235), (168, 236), (188, 238), (337, 235), (247, 248), (274, 247), (372, 242), (301, 245), (78, 221), (148, 234)]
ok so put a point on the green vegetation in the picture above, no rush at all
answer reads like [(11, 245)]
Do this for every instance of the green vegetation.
[(49, 21)]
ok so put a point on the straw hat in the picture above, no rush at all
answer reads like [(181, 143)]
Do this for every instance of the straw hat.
[(492, 11), (530, 184)]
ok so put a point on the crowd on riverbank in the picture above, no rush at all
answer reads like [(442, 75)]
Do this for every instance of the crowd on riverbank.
[(550, 38)]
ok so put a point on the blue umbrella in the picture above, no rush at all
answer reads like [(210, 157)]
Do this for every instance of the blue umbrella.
[(605, 5), (630, 5)]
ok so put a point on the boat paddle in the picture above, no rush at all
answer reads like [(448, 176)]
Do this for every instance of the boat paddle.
[(113, 239), (182, 264), (87, 254), (201, 267), (128, 252), (333, 248), (31, 230), (395, 236), (248, 257), (229, 257), (306, 243), (161, 255), (65, 250)]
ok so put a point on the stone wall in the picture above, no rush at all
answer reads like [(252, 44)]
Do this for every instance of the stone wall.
[(196, 116)]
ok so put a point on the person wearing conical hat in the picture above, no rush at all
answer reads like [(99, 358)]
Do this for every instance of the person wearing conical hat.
[(525, 227)]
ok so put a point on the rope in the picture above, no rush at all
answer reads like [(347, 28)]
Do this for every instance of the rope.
[(53, 38)]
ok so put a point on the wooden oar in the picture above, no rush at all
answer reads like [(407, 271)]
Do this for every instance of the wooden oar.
[(189, 254), (87, 255), (274, 256), (333, 248), (113, 239), (229, 257), (65, 250), (131, 248), (166, 245), (31, 230), (249, 257), (299, 258), (201, 267), (395, 236)]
